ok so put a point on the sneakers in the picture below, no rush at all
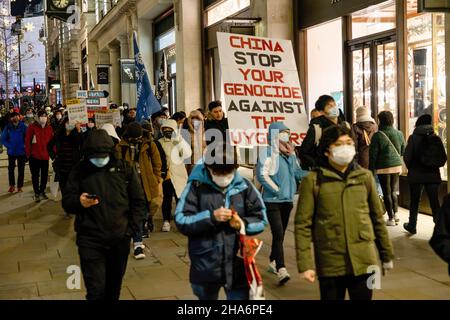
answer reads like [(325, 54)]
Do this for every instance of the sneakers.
[(165, 226), (11, 189), (43, 196), (37, 198), (283, 276), (409, 229), (272, 267), (396, 218), (139, 253), (391, 223)]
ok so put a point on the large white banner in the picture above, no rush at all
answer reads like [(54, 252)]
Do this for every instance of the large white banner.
[(112, 117), (261, 86)]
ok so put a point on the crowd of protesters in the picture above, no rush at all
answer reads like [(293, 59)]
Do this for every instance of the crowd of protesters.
[(116, 179)]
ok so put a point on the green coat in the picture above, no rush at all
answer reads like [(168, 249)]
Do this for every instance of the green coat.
[(381, 153), (347, 227)]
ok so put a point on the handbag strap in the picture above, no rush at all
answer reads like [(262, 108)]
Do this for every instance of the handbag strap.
[(366, 137), (390, 142)]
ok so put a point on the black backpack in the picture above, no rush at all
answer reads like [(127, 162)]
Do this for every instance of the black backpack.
[(432, 152)]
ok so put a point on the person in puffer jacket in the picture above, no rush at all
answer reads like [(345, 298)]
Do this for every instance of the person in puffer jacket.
[(204, 215), (279, 173)]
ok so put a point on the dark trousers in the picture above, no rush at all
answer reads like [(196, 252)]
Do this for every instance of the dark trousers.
[(278, 215), (63, 178), (211, 292), (168, 194), (103, 270), (12, 167), (389, 185), (334, 288), (415, 196), (39, 169)]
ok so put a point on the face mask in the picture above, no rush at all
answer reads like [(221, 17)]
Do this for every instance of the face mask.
[(284, 137), (30, 115), (43, 121), (69, 127), (168, 134), (333, 113), (58, 117), (91, 125), (222, 181), (99, 162), (343, 155), (196, 124)]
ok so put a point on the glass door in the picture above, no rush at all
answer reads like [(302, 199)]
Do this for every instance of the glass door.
[(374, 76)]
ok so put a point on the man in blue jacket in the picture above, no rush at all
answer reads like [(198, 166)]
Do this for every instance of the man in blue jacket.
[(279, 173), (204, 214), (13, 138)]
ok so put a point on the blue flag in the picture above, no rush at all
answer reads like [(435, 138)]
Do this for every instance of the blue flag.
[(146, 101)]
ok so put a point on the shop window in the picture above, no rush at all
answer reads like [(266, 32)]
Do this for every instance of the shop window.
[(426, 70), (325, 70), (374, 19)]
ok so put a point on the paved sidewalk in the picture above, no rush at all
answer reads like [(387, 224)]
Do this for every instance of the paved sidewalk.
[(37, 245)]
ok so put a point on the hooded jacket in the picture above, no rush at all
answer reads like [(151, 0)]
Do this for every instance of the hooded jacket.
[(418, 173), (220, 125), (382, 154), (177, 150), (362, 146), (122, 208), (13, 138), (213, 245), (278, 174), (36, 141)]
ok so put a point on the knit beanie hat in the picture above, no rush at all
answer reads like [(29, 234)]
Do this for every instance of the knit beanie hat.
[(363, 115)]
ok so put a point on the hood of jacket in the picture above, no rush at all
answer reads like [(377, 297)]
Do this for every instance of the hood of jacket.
[(280, 126), (200, 173), (367, 125), (170, 123), (424, 130)]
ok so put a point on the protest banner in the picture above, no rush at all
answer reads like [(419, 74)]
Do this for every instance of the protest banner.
[(77, 112), (106, 117), (261, 86)]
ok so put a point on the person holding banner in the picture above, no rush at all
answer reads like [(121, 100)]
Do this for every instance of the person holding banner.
[(37, 138), (279, 173), (308, 149), (204, 214)]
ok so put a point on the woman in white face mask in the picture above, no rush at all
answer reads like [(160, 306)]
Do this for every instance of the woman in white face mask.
[(339, 211)]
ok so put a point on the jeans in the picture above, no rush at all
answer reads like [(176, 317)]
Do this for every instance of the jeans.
[(103, 270), (211, 292), (415, 196), (389, 185), (334, 288), (39, 169), (12, 167), (278, 215), (168, 194)]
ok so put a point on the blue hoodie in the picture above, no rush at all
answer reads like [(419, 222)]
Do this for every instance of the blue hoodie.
[(13, 138), (213, 245), (278, 174)]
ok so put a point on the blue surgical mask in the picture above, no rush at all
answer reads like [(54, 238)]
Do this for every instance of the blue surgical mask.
[(99, 162), (333, 113)]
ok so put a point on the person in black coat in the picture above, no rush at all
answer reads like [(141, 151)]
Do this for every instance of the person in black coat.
[(107, 197), (216, 122), (440, 241), (419, 175)]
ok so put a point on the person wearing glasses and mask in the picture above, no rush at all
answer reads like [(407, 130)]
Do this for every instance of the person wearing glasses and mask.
[(339, 211), (106, 195), (279, 173), (330, 115)]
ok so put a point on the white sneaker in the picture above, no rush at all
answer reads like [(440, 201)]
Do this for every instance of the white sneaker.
[(283, 276), (391, 223), (139, 253), (165, 226), (396, 218), (273, 267)]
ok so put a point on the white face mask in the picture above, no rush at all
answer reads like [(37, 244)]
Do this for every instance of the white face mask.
[(196, 124), (222, 181), (284, 137), (58, 117), (342, 155)]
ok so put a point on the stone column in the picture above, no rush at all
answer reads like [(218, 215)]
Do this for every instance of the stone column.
[(277, 18), (189, 55), (114, 56), (125, 54)]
